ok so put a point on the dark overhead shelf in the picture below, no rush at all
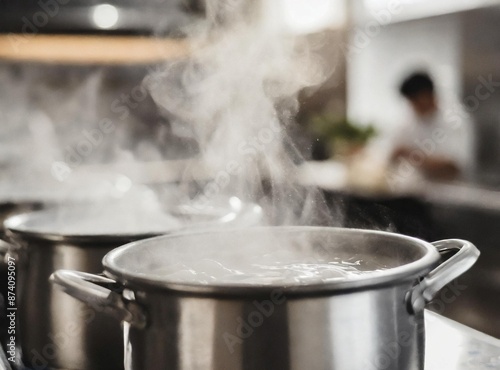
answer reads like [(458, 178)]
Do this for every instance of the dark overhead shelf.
[(123, 17)]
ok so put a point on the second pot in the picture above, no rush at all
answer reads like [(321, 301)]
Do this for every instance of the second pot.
[(57, 331)]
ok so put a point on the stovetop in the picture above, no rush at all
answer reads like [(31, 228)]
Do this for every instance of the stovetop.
[(453, 346), (449, 346)]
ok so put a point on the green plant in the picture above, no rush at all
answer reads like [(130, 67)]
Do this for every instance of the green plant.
[(339, 138), (332, 129)]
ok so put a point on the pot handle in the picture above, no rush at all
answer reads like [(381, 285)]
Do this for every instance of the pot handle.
[(97, 291), (4, 249), (7, 249), (467, 254)]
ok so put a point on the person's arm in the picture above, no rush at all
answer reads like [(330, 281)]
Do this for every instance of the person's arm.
[(440, 168), (433, 166), (401, 152)]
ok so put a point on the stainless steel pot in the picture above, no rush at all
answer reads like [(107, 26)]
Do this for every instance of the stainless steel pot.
[(55, 330), (371, 321), (9, 208)]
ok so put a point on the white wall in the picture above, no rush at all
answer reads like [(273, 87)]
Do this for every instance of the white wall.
[(414, 9), (377, 64)]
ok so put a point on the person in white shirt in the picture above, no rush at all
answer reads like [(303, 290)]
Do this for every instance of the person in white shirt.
[(439, 142)]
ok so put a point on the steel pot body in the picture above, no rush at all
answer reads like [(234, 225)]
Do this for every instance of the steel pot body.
[(7, 209), (362, 330), (55, 330), (371, 322)]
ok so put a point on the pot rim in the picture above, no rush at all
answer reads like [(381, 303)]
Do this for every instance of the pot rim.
[(396, 275), (13, 229)]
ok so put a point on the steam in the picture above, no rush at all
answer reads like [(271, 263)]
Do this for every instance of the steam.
[(234, 99), (44, 110), (237, 94), (68, 136)]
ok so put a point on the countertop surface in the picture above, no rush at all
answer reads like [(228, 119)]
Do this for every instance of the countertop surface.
[(452, 346), (372, 182)]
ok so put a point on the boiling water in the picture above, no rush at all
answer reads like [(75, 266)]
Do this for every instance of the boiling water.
[(267, 272)]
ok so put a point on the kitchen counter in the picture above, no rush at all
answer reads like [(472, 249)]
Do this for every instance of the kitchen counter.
[(453, 346), (368, 182)]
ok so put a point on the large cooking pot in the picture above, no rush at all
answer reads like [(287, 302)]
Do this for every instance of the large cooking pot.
[(10, 208), (56, 331), (249, 299)]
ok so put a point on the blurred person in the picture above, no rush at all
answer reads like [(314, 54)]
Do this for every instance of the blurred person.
[(437, 140)]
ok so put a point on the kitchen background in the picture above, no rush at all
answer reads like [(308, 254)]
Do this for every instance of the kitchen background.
[(54, 89)]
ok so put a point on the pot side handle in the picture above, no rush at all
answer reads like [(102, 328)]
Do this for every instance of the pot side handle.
[(4, 248), (445, 273), (93, 290), (7, 250)]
